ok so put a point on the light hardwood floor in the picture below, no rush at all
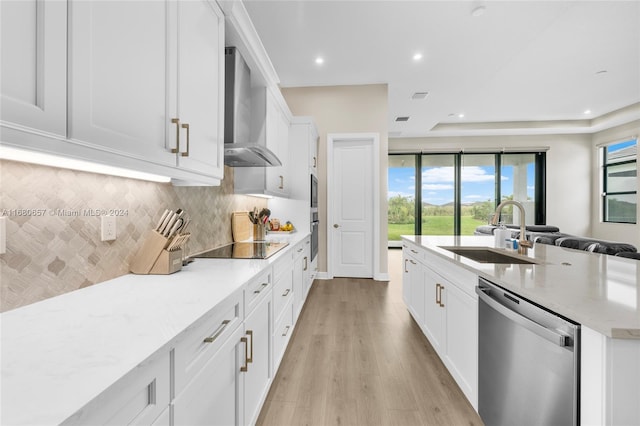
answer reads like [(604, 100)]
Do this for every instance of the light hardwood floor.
[(358, 358)]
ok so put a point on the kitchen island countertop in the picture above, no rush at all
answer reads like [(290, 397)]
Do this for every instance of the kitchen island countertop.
[(59, 354), (599, 291)]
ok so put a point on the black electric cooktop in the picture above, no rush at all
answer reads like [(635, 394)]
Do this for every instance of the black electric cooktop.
[(243, 250)]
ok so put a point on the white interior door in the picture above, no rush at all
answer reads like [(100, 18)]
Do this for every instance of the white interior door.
[(351, 217)]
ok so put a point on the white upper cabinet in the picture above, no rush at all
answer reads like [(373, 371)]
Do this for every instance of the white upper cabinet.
[(133, 84), (157, 94), (33, 50), (118, 77), (200, 87), (270, 124)]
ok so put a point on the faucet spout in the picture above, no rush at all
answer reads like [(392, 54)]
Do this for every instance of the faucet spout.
[(523, 243)]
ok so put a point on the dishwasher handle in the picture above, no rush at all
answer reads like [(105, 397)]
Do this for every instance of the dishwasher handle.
[(545, 333)]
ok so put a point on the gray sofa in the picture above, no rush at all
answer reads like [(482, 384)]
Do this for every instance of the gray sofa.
[(544, 234)]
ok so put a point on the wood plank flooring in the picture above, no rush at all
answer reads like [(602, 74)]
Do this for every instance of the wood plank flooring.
[(358, 358)]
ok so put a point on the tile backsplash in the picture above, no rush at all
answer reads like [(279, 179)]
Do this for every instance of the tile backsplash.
[(53, 231)]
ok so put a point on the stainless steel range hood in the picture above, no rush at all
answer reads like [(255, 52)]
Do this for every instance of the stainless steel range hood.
[(239, 149)]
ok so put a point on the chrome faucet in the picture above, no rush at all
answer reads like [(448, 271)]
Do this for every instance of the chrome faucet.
[(523, 243)]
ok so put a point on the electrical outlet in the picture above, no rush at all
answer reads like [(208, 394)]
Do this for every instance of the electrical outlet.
[(108, 228)]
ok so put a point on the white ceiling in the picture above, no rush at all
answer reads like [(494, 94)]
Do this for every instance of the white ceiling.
[(520, 61)]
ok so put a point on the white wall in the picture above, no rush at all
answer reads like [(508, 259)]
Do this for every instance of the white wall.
[(629, 233), (569, 182)]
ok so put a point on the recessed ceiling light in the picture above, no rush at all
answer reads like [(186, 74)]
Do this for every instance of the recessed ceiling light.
[(417, 56), (319, 60), (419, 95), (587, 111)]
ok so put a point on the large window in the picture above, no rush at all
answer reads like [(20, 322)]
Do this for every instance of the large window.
[(454, 193), (620, 182)]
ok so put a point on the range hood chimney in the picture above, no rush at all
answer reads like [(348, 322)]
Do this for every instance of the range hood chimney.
[(239, 150)]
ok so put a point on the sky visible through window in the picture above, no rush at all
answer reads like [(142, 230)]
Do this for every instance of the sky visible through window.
[(438, 184)]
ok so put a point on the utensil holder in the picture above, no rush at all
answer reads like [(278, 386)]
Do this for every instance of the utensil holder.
[(152, 258), (258, 232)]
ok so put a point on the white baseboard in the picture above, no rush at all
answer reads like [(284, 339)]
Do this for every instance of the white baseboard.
[(376, 277)]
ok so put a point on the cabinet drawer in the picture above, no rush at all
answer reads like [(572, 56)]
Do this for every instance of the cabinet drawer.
[(282, 333), (282, 266), (203, 339), (282, 292), (256, 288), (139, 397)]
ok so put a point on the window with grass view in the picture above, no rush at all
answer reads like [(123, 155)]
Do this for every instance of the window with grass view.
[(454, 193), (620, 182)]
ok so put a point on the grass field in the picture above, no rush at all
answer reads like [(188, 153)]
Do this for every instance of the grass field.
[(435, 225)]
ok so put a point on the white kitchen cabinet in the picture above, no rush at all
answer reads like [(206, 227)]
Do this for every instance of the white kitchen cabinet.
[(154, 95), (307, 272), (435, 302), (441, 299), (269, 127), (199, 95), (33, 65), (257, 377), (138, 398), (214, 397), (298, 279), (461, 319)]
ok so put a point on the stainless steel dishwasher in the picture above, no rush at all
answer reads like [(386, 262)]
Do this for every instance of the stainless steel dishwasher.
[(528, 362)]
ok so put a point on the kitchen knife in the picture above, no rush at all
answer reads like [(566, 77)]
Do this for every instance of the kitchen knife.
[(167, 231), (162, 218), (166, 221), (175, 227)]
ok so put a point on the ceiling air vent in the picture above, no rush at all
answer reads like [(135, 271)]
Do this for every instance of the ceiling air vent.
[(419, 95), (402, 118)]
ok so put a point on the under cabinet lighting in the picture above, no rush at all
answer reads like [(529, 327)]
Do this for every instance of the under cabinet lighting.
[(7, 153)]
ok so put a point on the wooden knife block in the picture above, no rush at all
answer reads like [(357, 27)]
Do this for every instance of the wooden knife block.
[(152, 258)]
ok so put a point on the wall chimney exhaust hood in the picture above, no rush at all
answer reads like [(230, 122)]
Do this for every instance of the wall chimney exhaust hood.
[(239, 149)]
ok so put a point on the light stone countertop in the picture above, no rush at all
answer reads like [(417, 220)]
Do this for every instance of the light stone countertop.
[(599, 291), (59, 354)]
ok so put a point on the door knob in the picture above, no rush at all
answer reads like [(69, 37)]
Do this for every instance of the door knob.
[(335, 225)]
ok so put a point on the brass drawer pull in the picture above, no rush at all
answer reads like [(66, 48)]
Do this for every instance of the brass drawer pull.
[(186, 153), (286, 293), (262, 287), (245, 367), (437, 288), (405, 265), (306, 263), (250, 334), (286, 331), (281, 182), (441, 304), (217, 333), (177, 148)]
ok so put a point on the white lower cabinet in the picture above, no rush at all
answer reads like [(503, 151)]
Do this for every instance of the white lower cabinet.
[(447, 312), (257, 366), (138, 398), (213, 397)]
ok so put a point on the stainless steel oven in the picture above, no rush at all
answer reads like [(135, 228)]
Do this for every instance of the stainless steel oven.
[(314, 192), (314, 233)]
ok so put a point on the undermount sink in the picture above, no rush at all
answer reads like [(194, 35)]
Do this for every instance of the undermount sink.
[(487, 255)]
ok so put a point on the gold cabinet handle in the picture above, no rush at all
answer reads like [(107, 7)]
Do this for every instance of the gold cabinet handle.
[(315, 163), (286, 293), (405, 265), (245, 367), (437, 294), (281, 182), (250, 358), (217, 333), (262, 287), (186, 127), (286, 331), (177, 148), (412, 250), (306, 263)]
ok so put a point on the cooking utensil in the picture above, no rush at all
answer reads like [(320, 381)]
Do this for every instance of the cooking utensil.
[(162, 227)]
